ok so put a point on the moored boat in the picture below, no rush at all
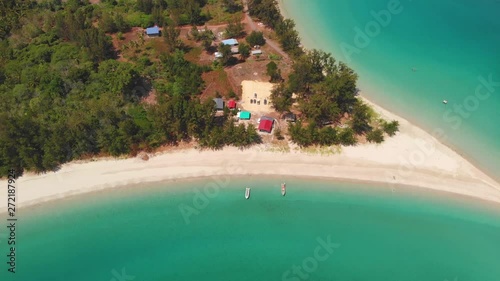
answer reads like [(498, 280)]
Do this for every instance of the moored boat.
[(283, 189), (247, 193)]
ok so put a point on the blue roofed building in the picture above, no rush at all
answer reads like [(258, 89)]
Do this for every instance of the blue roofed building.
[(230, 42), (153, 31)]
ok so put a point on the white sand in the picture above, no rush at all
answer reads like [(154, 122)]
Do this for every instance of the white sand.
[(429, 164), (263, 91)]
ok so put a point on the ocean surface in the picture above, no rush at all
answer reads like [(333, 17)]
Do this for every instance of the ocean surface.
[(319, 231), (412, 55)]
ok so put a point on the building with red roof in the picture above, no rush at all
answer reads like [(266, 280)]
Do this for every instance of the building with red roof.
[(266, 125), (231, 104)]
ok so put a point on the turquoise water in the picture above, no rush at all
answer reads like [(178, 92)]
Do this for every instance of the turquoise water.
[(450, 43), (371, 233)]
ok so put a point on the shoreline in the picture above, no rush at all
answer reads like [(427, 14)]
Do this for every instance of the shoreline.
[(441, 169), (404, 192), (411, 158), (307, 43)]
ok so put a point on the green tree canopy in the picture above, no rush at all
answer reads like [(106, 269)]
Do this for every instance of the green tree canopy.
[(227, 54), (235, 29), (376, 136), (391, 127), (244, 50), (274, 72), (171, 36), (256, 38), (281, 98)]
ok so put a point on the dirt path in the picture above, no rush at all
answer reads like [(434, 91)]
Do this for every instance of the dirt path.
[(253, 26), (188, 27)]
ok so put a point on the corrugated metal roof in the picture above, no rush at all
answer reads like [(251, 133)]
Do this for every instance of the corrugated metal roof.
[(219, 103), (230, 42)]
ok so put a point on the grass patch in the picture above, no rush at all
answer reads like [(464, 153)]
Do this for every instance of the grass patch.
[(279, 146), (157, 44), (274, 57), (319, 150), (222, 76), (218, 14), (216, 81)]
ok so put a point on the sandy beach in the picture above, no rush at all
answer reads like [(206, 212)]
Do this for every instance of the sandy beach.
[(413, 158), (257, 91)]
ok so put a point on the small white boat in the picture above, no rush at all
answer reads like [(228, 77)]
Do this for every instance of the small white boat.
[(247, 193), (445, 101), (283, 189)]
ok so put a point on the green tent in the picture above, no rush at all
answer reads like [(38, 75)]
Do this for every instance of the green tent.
[(244, 115)]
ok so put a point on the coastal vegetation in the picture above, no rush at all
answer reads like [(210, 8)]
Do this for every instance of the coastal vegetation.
[(66, 96), (256, 38), (75, 85), (323, 89), (267, 11)]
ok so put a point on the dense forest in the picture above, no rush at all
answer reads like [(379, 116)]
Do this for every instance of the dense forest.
[(64, 96)]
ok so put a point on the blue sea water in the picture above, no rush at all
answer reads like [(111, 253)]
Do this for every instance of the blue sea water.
[(319, 231), (411, 55)]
